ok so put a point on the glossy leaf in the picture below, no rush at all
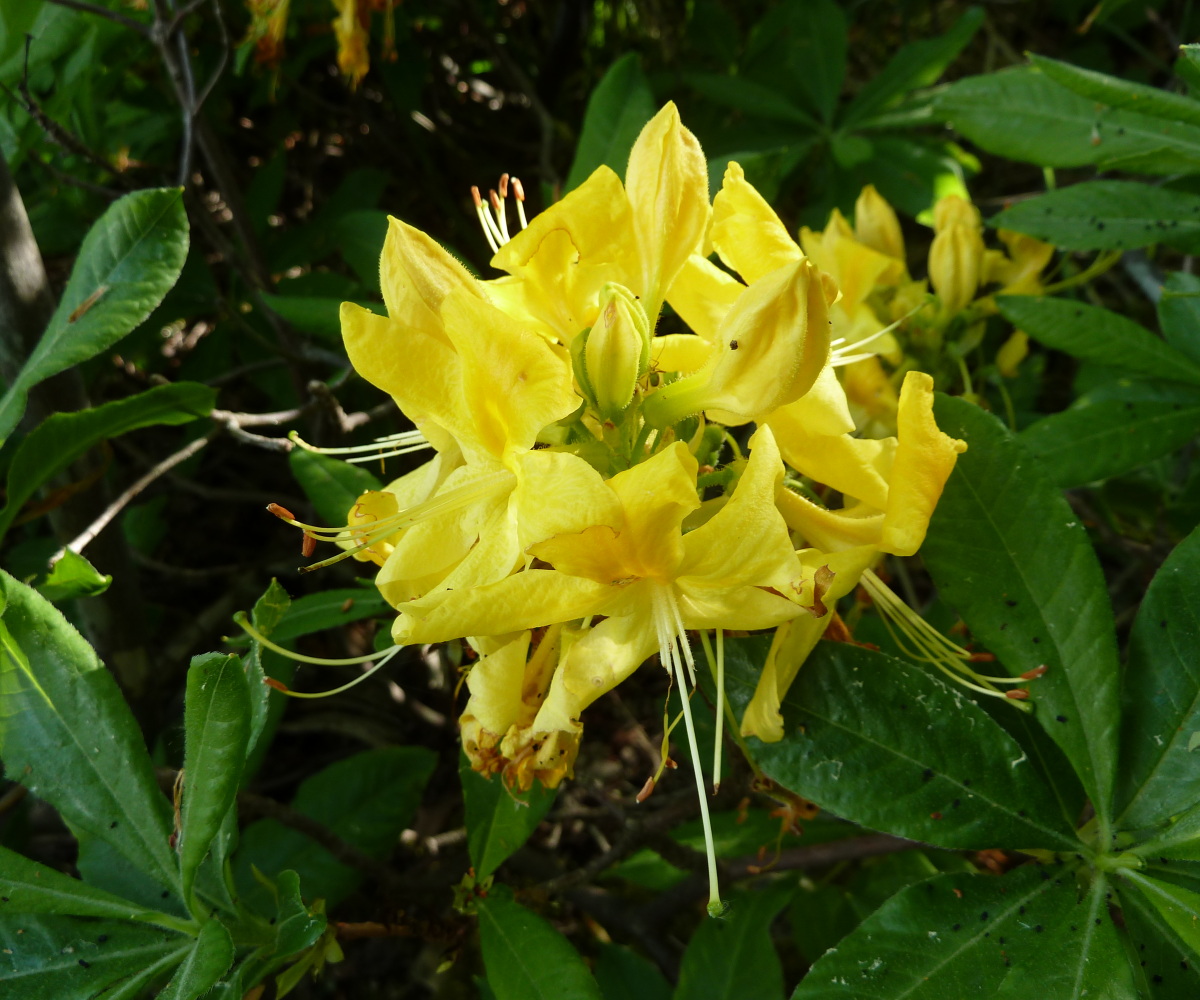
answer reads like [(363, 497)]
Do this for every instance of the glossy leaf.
[(68, 958), (1178, 907), (73, 576), (63, 437), (891, 746), (1107, 215), (1118, 93), (1024, 115), (129, 260), (1179, 313), (734, 957), (1113, 429), (918, 64), (29, 887), (1100, 335), (617, 109), (68, 736), (210, 957), (1160, 769), (499, 821), (949, 937), (1008, 553), (526, 958), (332, 485), (367, 800), (1165, 967), (216, 733)]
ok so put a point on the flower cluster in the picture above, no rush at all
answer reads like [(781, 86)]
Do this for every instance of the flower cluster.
[(605, 481)]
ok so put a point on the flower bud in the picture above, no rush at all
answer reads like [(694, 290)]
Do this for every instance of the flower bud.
[(617, 350), (952, 210), (956, 265), (1012, 352), (876, 225)]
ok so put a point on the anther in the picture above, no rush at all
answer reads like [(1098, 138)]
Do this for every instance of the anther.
[(1017, 694), (504, 185), (308, 546), (271, 682), (281, 512), (647, 788), (1033, 674)]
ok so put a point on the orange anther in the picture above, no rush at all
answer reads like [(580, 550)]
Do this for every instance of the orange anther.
[(647, 788), (308, 546), (504, 185), (1036, 672), (277, 685), (475, 196), (1017, 694), (281, 512), (494, 199)]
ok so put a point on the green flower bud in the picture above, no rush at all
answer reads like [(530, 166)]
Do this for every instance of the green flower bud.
[(617, 351)]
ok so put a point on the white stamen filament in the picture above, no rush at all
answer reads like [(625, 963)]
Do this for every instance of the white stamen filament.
[(671, 640), (493, 218), (403, 443)]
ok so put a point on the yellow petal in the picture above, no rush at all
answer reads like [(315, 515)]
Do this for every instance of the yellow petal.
[(956, 266), (856, 467), (924, 460), (679, 352), (830, 530), (416, 274), (558, 493), (871, 395), (702, 294), (823, 410), (746, 232), (667, 185), (496, 682), (876, 225)]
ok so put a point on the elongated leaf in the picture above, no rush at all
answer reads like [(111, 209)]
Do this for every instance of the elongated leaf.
[(315, 314), (799, 49), (1118, 93), (129, 260), (367, 800), (1098, 334), (1179, 839), (526, 958), (1024, 115), (208, 960), (1165, 968), (331, 484), (918, 64), (295, 927), (1008, 553), (622, 974), (68, 736), (1160, 769), (1179, 313), (1080, 955), (616, 111), (949, 937), (216, 734), (62, 438), (1178, 907), (734, 957), (68, 958), (265, 710), (499, 821), (1113, 429), (904, 753), (1107, 215), (329, 609), (29, 887), (751, 98)]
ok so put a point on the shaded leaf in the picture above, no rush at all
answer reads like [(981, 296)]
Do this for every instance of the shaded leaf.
[(1179, 313), (1118, 93), (68, 736), (1164, 969), (208, 960), (623, 974), (1008, 553), (499, 821), (129, 260), (526, 958)]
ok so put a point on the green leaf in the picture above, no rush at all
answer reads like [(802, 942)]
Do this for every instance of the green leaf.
[(359, 237), (295, 927), (1078, 955), (1179, 313), (1165, 967), (316, 314), (749, 97), (1160, 775), (73, 576), (1118, 93), (216, 732), (623, 974), (1022, 114), (1178, 907), (209, 959), (1113, 429), (918, 64), (616, 111), (1097, 334), (329, 609), (63, 437), (332, 485), (29, 887), (499, 821), (1008, 553), (904, 752), (265, 710), (68, 736), (526, 958), (129, 260), (799, 49), (1107, 215), (69, 958), (949, 937), (1187, 66), (367, 800), (734, 957)]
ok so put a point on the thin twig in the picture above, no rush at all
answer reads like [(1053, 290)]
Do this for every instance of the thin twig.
[(115, 16), (222, 62), (78, 543), (173, 25)]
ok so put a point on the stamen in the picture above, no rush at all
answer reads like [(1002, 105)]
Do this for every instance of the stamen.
[(501, 220), (670, 641), (243, 620), (519, 192), (384, 658), (388, 446), (717, 666), (484, 219)]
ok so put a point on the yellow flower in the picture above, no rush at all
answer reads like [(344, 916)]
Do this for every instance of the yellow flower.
[(350, 27), (956, 256), (1020, 271)]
